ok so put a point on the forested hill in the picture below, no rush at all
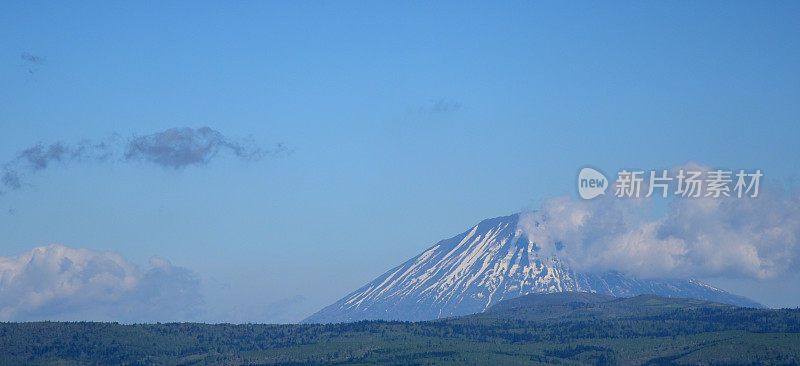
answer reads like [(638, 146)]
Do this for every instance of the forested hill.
[(574, 305), (569, 328)]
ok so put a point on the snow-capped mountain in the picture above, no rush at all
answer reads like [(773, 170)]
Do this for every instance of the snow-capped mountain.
[(493, 261)]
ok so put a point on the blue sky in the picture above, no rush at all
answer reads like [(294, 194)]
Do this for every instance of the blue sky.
[(407, 123)]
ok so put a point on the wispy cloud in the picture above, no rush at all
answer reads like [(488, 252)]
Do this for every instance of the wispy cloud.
[(61, 283), (752, 238), (31, 58), (174, 148), (439, 106), (32, 62), (40, 156), (11, 179), (181, 147)]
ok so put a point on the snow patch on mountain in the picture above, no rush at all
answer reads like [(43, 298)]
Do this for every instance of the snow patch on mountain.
[(492, 261)]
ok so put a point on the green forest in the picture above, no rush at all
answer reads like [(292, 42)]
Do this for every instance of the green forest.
[(536, 329)]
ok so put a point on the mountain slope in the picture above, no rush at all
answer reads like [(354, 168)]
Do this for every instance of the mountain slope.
[(490, 262)]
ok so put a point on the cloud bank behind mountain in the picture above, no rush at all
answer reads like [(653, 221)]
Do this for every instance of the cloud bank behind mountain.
[(755, 238)]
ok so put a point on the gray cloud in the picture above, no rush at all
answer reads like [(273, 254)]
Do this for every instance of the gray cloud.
[(60, 283), (25, 56), (439, 106), (32, 62), (755, 238), (181, 147), (11, 179), (172, 148), (39, 157)]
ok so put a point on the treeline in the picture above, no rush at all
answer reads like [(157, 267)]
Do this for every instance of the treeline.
[(693, 335)]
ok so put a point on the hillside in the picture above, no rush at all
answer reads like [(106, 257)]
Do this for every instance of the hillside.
[(580, 305)]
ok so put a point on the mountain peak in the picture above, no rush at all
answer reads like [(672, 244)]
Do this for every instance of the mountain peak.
[(490, 262)]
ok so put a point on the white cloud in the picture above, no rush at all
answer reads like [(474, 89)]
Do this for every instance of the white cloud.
[(60, 283), (735, 237)]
